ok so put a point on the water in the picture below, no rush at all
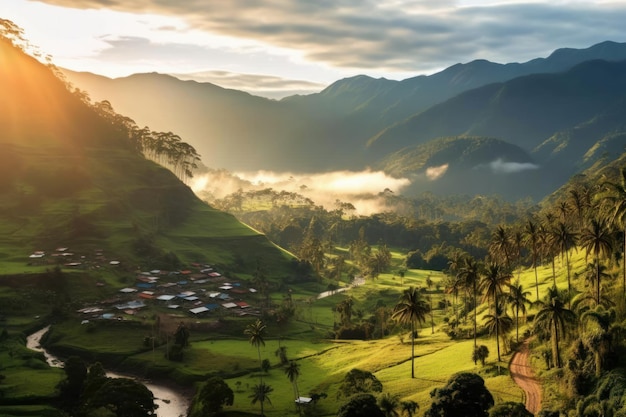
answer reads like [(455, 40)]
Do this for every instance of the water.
[(170, 402)]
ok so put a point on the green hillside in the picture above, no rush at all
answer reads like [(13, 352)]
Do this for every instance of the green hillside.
[(71, 178)]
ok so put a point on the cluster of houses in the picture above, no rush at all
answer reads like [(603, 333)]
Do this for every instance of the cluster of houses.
[(198, 291)]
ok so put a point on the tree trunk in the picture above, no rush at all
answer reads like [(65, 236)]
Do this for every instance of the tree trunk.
[(412, 349)]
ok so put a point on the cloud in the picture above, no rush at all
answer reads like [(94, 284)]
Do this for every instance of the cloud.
[(433, 173), (258, 84), (392, 36), (361, 188), (501, 167)]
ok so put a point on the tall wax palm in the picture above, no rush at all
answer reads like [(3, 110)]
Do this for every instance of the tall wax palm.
[(256, 333), (548, 247), (595, 273), (260, 394), (469, 274), (411, 309), (578, 200), (517, 299), (614, 200), (565, 239), (498, 323), (531, 239), (596, 238), (518, 242), (293, 372), (494, 278), (555, 318), (500, 246)]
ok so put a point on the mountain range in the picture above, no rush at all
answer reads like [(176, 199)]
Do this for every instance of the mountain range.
[(528, 127)]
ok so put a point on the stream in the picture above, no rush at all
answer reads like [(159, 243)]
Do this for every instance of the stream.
[(170, 402)]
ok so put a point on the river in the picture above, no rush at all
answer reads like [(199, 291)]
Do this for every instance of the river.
[(170, 402)]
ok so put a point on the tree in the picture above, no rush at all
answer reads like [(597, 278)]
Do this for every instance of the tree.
[(344, 308), (411, 309), (481, 353), (469, 273), (388, 404), (256, 333), (125, 398), (181, 337), (517, 299), (214, 395), (281, 353), (596, 238), (465, 395), (498, 323), (71, 388), (494, 278), (360, 405), (510, 409), (260, 394), (408, 408), (555, 318), (293, 373), (500, 246), (358, 381), (564, 239), (614, 200), (531, 238)]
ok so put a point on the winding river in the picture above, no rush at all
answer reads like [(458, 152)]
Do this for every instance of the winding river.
[(170, 402)]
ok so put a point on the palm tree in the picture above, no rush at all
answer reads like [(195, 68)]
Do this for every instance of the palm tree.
[(517, 299), (260, 394), (256, 332), (596, 238), (281, 353), (499, 324), (409, 408), (531, 239), (614, 199), (469, 274), (388, 404), (494, 278), (293, 372), (410, 309), (601, 338), (564, 239), (555, 318), (500, 246)]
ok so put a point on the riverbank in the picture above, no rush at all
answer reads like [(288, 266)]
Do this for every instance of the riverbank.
[(173, 400)]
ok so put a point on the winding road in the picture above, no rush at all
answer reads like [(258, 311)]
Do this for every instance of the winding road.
[(522, 374)]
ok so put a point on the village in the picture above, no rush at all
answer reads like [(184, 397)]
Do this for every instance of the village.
[(197, 291)]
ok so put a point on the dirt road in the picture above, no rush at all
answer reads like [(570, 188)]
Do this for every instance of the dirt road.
[(522, 374)]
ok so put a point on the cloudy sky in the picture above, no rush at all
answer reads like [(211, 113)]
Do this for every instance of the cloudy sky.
[(280, 47)]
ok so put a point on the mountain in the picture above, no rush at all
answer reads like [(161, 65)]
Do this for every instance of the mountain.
[(70, 177), (528, 112), (311, 133), (465, 164)]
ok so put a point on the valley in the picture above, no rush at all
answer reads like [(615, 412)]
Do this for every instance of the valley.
[(264, 301)]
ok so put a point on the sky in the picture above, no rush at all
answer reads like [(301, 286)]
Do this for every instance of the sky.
[(275, 48)]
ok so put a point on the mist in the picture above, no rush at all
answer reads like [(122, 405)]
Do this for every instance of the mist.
[(501, 167), (363, 189)]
